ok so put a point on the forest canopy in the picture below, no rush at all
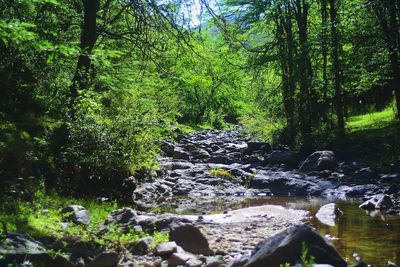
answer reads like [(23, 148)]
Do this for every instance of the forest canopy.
[(89, 88)]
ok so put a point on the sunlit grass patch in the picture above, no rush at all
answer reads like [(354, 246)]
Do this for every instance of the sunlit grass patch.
[(372, 120), (222, 173)]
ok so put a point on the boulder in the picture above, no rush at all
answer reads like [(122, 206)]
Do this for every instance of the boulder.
[(105, 259), (319, 161), (328, 213), (284, 184), (288, 157), (76, 214), (286, 247), (165, 249), (190, 238), (377, 202)]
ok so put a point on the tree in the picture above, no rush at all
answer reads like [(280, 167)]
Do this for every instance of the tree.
[(336, 66), (385, 11)]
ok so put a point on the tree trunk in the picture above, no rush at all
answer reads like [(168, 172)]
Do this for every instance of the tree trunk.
[(306, 97), (337, 68), (324, 48), (284, 37), (82, 79), (393, 45)]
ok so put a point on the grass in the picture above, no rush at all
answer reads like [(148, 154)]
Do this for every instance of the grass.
[(42, 219), (185, 128), (372, 139), (374, 120)]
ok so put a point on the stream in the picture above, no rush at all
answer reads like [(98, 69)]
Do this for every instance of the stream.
[(373, 236), (213, 172)]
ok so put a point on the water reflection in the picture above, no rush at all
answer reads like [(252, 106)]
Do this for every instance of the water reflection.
[(373, 236)]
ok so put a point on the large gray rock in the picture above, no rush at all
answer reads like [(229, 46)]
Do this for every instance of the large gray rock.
[(190, 238), (328, 213), (184, 258), (77, 214), (286, 247), (165, 249), (319, 161), (377, 202), (284, 184)]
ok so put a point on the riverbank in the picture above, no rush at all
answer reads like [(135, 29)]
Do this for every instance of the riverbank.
[(210, 174)]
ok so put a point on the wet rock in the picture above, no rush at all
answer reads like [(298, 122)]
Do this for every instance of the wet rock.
[(165, 249), (190, 238), (390, 178), (377, 202), (288, 157), (76, 214), (286, 247), (345, 191), (319, 161), (105, 259), (328, 213)]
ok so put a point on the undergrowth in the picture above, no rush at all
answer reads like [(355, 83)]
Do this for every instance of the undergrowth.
[(42, 218)]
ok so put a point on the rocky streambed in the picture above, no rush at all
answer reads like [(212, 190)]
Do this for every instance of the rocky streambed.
[(227, 200)]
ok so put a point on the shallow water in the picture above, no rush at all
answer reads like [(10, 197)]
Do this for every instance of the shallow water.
[(374, 237)]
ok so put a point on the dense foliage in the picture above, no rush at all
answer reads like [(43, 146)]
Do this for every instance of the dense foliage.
[(88, 88)]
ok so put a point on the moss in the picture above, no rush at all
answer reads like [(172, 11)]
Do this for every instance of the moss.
[(222, 173)]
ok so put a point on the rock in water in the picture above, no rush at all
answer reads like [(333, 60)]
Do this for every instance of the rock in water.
[(286, 247), (77, 214), (328, 213), (377, 202), (190, 238), (320, 161)]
